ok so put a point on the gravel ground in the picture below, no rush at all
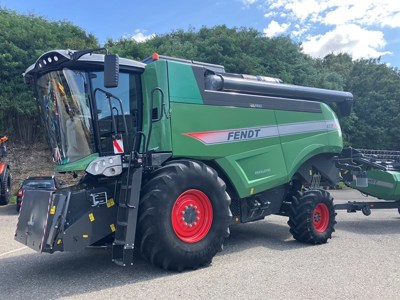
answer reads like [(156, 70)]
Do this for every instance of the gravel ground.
[(260, 261)]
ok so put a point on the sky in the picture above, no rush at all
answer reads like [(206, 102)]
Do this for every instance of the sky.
[(362, 28)]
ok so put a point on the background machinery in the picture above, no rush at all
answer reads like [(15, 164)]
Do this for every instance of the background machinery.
[(5, 173)]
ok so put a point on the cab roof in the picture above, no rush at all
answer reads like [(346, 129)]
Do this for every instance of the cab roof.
[(56, 59)]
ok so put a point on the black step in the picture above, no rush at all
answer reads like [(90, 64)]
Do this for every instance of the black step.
[(119, 262), (123, 246)]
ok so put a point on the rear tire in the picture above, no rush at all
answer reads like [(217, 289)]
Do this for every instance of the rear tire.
[(312, 217), (183, 216), (5, 187)]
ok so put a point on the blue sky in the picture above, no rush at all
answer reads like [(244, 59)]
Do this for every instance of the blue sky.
[(362, 28)]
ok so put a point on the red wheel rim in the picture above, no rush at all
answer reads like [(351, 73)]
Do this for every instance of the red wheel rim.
[(192, 216), (321, 217)]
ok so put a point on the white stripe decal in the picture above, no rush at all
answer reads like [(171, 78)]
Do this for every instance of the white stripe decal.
[(255, 133)]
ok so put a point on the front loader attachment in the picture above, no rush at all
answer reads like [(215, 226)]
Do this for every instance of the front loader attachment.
[(68, 220)]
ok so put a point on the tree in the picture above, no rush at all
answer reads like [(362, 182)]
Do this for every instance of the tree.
[(23, 39)]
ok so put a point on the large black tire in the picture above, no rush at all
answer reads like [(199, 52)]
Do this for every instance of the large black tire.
[(5, 187), (312, 216), (178, 197)]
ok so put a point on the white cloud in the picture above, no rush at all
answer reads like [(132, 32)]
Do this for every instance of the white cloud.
[(303, 9), (338, 12), (274, 28), (248, 2), (299, 32), (352, 39), (139, 36), (270, 14), (378, 13), (351, 26)]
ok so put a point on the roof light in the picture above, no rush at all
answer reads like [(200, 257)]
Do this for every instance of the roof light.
[(155, 56)]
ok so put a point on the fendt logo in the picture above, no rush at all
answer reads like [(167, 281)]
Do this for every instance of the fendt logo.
[(243, 134), (265, 132)]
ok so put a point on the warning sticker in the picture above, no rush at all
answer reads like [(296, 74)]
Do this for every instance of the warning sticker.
[(110, 202), (112, 226), (91, 217), (53, 210)]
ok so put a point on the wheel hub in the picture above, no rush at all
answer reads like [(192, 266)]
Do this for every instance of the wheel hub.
[(192, 216), (317, 217), (320, 217)]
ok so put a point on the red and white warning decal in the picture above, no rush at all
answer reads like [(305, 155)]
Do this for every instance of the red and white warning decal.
[(118, 146), (264, 132)]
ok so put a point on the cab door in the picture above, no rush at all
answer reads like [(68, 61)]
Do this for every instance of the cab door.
[(129, 92)]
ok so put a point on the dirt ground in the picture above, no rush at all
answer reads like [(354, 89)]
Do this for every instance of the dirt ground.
[(31, 160)]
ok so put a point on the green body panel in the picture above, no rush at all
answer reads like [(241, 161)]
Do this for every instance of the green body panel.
[(381, 184), (182, 84), (255, 171), (79, 165), (252, 165), (155, 76), (300, 147)]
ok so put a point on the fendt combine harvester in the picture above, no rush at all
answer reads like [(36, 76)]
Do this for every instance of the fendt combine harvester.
[(175, 151)]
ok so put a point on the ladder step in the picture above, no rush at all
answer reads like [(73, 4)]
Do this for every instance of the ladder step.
[(123, 246), (122, 255), (119, 242), (119, 262)]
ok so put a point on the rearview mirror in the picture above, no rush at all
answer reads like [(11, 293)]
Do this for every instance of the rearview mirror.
[(111, 70)]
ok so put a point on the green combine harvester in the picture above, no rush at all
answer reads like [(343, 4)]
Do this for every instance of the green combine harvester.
[(174, 151)]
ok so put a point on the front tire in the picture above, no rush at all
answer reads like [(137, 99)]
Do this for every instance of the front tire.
[(183, 216), (312, 217)]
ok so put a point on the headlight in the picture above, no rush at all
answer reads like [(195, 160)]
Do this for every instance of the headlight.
[(107, 166)]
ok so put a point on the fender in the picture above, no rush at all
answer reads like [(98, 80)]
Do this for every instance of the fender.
[(324, 164), (3, 166)]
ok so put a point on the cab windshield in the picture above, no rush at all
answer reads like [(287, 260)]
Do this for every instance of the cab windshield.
[(64, 101)]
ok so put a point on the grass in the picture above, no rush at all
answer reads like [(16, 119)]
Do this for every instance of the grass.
[(13, 200)]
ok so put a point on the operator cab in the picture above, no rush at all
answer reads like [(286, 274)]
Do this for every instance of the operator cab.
[(81, 111)]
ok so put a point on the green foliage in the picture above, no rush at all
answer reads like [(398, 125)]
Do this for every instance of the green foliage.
[(376, 87), (22, 40)]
